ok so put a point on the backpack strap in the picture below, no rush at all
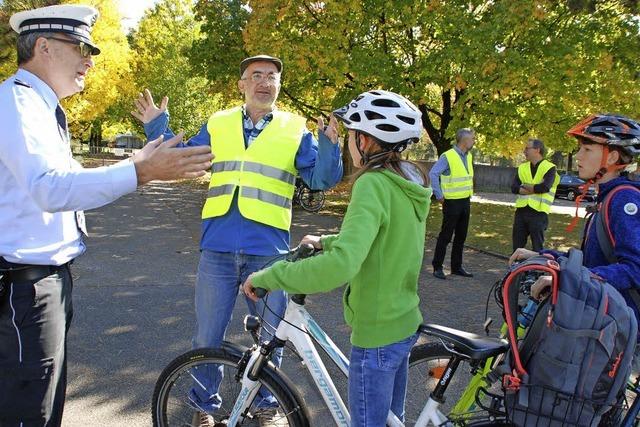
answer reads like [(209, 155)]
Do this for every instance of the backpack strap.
[(605, 238)]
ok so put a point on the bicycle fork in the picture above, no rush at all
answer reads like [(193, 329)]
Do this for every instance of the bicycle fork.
[(250, 384)]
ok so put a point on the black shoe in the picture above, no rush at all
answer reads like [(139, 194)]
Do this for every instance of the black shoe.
[(461, 272), (437, 272)]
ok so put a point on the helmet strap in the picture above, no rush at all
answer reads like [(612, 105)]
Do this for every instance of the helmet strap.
[(591, 181)]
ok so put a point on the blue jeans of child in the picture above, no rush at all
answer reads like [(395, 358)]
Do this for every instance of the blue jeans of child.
[(219, 278), (378, 382)]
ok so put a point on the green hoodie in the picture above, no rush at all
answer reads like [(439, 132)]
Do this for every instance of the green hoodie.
[(378, 252)]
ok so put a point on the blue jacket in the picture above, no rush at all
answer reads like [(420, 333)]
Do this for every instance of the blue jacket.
[(624, 223)]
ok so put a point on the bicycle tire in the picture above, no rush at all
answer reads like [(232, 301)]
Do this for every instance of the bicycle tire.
[(427, 363), (171, 409), (311, 201)]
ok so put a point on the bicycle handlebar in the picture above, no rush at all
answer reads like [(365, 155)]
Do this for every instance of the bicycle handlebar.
[(299, 252)]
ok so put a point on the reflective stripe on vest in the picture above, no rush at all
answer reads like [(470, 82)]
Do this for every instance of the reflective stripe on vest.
[(264, 172), (540, 202), (459, 184)]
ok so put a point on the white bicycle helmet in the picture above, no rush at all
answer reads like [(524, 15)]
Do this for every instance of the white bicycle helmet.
[(386, 116)]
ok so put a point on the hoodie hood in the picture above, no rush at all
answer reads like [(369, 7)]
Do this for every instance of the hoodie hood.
[(414, 189)]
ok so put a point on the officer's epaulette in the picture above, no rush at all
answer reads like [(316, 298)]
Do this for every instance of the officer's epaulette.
[(21, 83)]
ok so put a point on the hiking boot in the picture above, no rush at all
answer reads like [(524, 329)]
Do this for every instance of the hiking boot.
[(202, 419), (271, 417)]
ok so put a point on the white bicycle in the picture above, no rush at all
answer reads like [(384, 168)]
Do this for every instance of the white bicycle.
[(245, 371)]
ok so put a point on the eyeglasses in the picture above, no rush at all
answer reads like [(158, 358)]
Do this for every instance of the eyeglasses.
[(258, 77), (529, 148), (85, 50)]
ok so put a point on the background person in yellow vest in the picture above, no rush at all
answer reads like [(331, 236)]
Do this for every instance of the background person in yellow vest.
[(452, 182), (535, 184), (246, 217)]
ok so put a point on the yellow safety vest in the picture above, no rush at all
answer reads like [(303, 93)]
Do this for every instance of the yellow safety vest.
[(459, 184), (264, 173), (539, 202)]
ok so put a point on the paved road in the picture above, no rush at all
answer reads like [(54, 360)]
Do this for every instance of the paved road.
[(133, 301), (559, 206)]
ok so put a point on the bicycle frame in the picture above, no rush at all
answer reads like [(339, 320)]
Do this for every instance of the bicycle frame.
[(297, 315)]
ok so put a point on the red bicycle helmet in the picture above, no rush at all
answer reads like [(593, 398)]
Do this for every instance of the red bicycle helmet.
[(610, 130)]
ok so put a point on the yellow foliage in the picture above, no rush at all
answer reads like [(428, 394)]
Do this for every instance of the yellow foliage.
[(489, 68), (538, 12), (110, 78)]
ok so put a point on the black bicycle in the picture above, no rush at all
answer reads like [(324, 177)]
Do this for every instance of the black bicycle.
[(310, 200)]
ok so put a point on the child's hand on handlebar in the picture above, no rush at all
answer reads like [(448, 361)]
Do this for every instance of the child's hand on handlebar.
[(311, 240), (249, 290), (521, 254)]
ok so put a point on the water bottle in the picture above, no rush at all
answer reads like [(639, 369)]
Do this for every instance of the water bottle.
[(526, 315)]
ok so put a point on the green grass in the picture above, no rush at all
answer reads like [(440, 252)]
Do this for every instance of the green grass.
[(490, 225)]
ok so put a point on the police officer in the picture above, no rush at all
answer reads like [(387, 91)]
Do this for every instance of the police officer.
[(42, 194), (452, 182), (246, 217), (535, 184)]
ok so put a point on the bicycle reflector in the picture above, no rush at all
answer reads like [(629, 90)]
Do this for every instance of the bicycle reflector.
[(252, 323)]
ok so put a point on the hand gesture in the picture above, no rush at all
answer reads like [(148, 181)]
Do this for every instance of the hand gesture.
[(146, 107), (166, 162), (331, 130)]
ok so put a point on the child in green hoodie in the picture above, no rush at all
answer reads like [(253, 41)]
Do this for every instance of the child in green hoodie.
[(378, 253)]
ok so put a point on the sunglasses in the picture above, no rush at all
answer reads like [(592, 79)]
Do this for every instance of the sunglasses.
[(85, 49)]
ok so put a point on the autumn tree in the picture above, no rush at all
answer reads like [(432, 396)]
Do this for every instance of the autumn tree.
[(508, 69), (217, 53), (109, 79), (8, 37), (162, 45)]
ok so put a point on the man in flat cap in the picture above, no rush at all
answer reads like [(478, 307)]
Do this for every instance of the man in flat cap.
[(43, 192), (246, 217)]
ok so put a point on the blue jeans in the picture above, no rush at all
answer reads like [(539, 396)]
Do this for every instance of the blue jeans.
[(219, 278), (378, 382)]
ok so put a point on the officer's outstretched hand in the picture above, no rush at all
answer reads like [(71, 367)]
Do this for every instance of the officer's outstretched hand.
[(164, 161), (147, 109)]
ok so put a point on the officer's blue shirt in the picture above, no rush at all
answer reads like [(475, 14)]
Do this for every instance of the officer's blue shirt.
[(319, 164), (441, 167)]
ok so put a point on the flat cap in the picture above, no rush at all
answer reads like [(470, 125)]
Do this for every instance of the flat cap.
[(260, 58), (74, 20)]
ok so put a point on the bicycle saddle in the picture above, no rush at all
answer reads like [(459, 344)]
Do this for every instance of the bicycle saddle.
[(472, 345)]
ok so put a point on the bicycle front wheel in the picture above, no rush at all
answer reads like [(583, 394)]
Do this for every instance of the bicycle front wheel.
[(427, 364), (173, 403), (311, 200)]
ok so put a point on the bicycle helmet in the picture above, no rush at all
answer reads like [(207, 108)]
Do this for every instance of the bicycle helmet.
[(390, 118), (610, 130)]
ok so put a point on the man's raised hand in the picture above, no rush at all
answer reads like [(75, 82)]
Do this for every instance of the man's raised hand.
[(146, 108)]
